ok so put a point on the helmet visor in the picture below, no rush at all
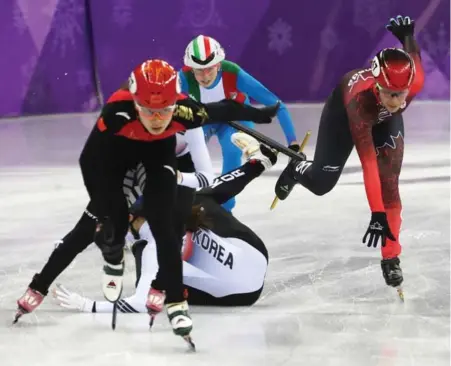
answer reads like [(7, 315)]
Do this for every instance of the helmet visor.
[(392, 93), (163, 112)]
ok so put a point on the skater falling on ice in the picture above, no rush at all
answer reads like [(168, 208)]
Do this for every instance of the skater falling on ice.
[(365, 111), (194, 171), (139, 125), (225, 262)]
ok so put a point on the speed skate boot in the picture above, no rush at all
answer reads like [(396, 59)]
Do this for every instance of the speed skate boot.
[(112, 281), (393, 274), (286, 181), (29, 301), (253, 150), (154, 304), (182, 325)]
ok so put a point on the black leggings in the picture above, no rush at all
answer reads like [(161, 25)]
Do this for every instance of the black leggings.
[(198, 297), (77, 240), (334, 145), (82, 235)]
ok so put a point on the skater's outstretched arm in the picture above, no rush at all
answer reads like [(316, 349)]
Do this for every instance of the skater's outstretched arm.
[(403, 29), (361, 126), (232, 183), (203, 175), (74, 301), (257, 91), (193, 114)]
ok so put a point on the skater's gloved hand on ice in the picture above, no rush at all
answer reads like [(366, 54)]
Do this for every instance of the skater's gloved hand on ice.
[(401, 27), (71, 300), (378, 229)]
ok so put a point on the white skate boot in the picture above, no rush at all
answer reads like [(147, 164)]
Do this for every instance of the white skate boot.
[(180, 320), (112, 281), (253, 150)]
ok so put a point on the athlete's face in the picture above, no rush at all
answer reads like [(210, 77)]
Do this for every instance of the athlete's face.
[(392, 100), (206, 77), (155, 120)]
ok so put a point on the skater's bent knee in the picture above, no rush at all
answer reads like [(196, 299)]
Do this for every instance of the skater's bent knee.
[(322, 188)]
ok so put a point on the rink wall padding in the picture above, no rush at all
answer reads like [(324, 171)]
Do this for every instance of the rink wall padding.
[(59, 139), (62, 56)]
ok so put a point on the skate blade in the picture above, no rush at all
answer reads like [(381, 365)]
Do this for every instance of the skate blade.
[(114, 316), (189, 341), (152, 320), (16, 318), (400, 293), (274, 203), (153, 315), (301, 148), (20, 312)]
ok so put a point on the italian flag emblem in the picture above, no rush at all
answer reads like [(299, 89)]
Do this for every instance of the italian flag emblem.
[(202, 47)]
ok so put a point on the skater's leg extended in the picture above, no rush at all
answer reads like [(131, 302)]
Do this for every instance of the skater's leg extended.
[(333, 147), (77, 240), (72, 244)]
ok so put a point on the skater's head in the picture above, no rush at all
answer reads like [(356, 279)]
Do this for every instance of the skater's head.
[(155, 88), (204, 55), (393, 70)]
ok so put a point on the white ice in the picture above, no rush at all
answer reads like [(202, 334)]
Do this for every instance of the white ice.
[(324, 304)]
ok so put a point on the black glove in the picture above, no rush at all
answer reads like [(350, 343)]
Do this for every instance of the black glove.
[(231, 110), (295, 147), (268, 113), (104, 235), (378, 229), (401, 27)]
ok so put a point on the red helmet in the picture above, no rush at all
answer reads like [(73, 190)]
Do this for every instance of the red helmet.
[(154, 84), (393, 69)]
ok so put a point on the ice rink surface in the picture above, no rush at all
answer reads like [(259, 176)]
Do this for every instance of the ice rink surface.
[(325, 302)]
